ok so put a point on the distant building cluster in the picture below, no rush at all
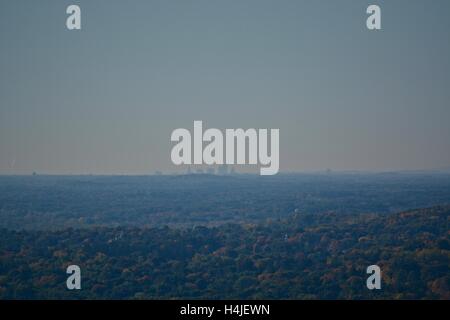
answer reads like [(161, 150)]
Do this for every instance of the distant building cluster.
[(221, 170)]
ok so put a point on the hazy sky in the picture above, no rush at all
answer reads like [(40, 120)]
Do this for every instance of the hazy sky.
[(106, 99)]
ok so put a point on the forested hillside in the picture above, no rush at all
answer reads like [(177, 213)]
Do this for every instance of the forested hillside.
[(300, 256)]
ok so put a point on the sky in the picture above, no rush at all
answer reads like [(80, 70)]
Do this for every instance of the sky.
[(105, 99)]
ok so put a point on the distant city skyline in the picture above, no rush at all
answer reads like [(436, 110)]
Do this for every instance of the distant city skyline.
[(105, 99)]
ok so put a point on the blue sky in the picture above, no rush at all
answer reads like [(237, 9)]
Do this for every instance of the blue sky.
[(105, 99)]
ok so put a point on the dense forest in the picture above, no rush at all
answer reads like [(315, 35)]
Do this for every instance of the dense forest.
[(57, 202), (297, 256)]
